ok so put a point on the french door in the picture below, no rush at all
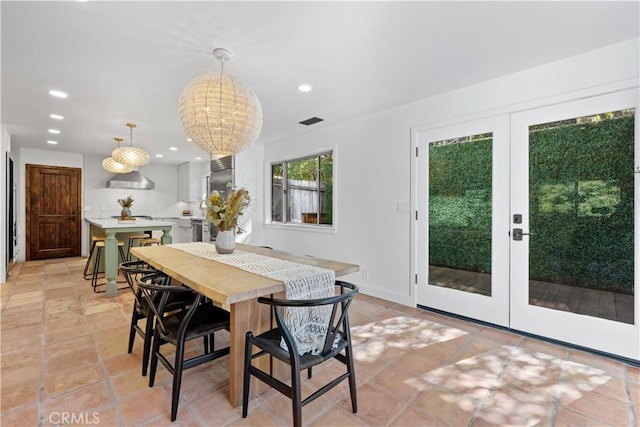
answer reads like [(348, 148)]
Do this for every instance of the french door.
[(462, 224), (559, 258)]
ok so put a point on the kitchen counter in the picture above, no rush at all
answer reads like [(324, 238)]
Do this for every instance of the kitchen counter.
[(116, 223)]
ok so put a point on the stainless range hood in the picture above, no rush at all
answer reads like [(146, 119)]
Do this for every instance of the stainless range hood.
[(132, 180)]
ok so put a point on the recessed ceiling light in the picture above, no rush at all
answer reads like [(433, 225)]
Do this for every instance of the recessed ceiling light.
[(189, 139), (304, 88), (56, 131), (173, 148), (58, 93), (52, 142), (56, 116), (198, 158), (159, 155)]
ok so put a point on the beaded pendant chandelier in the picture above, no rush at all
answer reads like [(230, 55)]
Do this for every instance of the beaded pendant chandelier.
[(130, 156), (219, 113), (112, 166)]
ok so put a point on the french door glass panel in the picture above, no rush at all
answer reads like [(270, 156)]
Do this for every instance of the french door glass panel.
[(460, 213), (462, 234), (573, 270)]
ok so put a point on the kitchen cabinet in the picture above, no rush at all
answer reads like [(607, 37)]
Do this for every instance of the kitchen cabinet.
[(181, 231), (192, 178)]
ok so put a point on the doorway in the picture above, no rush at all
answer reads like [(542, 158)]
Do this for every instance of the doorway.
[(529, 222), (53, 212)]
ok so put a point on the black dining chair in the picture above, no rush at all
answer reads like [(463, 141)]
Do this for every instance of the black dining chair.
[(201, 320), (336, 345), (132, 271)]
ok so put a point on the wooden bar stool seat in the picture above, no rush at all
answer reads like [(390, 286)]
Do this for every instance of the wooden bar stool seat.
[(132, 240), (151, 241), (94, 240), (99, 245)]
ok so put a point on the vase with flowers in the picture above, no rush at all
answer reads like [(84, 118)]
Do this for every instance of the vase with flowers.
[(125, 204), (224, 213)]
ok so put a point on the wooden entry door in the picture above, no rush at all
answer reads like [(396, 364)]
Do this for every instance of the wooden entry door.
[(52, 211)]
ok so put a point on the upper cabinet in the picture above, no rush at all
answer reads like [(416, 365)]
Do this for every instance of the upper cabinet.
[(192, 178)]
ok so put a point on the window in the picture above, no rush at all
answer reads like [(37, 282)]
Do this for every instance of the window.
[(302, 190)]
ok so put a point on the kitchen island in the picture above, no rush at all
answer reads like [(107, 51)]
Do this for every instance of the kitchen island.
[(109, 227)]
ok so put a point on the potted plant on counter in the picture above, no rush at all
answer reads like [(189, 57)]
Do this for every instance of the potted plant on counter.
[(125, 213)]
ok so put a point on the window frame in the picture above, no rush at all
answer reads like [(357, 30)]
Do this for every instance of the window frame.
[(286, 208)]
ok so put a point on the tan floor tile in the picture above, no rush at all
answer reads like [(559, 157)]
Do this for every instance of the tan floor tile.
[(63, 305), (610, 411), (58, 333), (53, 294), (203, 380), (370, 411), (74, 359), (447, 406), (399, 383), (610, 366), (30, 342), (21, 373), (68, 347), (282, 406), (499, 336), (567, 417), (366, 370), (128, 383), (146, 405), (534, 347), (19, 394), (510, 406), (26, 416), (123, 363), (81, 400), (632, 374), (478, 346), (259, 417), (614, 388), (415, 417), (217, 407), (338, 417), (62, 381)]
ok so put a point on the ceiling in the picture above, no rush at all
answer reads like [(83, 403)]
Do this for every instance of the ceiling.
[(128, 61)]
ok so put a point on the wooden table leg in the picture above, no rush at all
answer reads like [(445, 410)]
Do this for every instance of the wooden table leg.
[(245, 316)]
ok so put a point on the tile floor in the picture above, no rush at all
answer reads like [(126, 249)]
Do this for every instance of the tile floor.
[(64, 361)]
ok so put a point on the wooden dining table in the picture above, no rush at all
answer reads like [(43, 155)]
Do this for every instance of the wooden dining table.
[(234, 289)]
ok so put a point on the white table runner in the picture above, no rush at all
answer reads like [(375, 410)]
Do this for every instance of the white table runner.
[(301, 281)]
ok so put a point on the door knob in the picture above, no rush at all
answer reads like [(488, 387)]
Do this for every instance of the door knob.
[(517, 234)]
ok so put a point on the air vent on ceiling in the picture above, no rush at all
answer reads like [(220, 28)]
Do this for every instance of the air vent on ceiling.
[(313, 120)]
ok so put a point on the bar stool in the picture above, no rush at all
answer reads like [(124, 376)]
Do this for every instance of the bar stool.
[(94, 240), (151, 241), (99, 245), (132, 240)]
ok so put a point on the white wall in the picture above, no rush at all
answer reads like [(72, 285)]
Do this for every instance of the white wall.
[(373, 162), (5, 147)]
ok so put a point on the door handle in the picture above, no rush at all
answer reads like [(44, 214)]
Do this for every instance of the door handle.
[(517, 234)]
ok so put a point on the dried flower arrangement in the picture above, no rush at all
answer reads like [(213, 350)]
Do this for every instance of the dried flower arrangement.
[(224, 213)]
